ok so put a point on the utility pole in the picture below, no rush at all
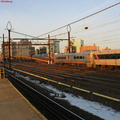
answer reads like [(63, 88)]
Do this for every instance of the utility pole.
[(69, 29), (69, 42), (3, 47), (9, 28), (9, 49), (49, 49)]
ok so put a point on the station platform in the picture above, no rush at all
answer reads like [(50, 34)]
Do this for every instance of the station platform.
[(13, 106)]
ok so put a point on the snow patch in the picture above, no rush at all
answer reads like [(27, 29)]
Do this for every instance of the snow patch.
[(95, 108)]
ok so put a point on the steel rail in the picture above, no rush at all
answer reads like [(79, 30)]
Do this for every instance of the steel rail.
[(91, 81), (67, 85), (61, 113)]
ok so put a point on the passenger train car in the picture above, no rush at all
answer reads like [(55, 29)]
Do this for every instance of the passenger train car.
[(1, 59), (83, 58), (106, 58)]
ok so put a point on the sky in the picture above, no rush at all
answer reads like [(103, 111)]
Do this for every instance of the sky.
[(36, 17)]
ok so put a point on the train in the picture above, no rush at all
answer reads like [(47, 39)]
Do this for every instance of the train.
[(95, 59), (1, 59)]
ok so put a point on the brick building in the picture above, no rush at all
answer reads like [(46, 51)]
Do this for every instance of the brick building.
[(89, 48)]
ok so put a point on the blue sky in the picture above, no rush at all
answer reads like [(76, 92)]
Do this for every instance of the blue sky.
[(35, 17)]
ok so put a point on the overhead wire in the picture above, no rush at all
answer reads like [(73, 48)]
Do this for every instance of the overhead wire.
[(69, 23), (100, 25), (59, 34), (96, 22), (103, 24), (21, 33), (81, 19), (106, 40), (73, 30), (100, 20)]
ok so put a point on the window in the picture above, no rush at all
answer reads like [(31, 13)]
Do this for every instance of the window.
[(61, 57), (78, 57), (109, 56), (75, 57), (81, 57)]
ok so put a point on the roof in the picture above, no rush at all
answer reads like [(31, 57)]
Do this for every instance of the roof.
[(107, 51), (67, 54)]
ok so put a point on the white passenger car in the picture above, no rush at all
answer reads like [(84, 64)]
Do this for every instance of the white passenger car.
[(83, 58), (107, 58)]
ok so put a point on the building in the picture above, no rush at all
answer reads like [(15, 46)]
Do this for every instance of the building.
[(106, 48), (74, 46), (42, 51), (32, 51), (89, 48), (14, 49), (56, 47), (6, 49), (24, 48)]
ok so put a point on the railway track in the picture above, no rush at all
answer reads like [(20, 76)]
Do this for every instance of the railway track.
[(93, 83), (50, 108), (78, 80)]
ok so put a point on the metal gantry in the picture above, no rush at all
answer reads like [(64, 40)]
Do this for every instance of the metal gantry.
[(9, 28)]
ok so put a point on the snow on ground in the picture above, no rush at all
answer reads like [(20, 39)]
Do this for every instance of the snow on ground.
[(95, 108)]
